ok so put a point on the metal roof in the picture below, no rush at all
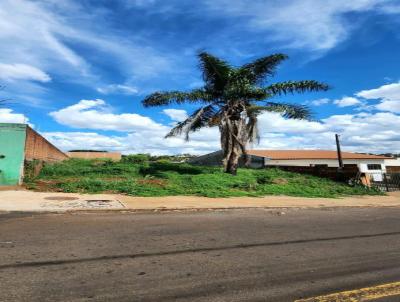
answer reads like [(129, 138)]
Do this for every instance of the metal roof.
[(311, 154)]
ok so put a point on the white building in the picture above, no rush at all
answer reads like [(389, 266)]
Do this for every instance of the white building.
[(366, 163), (393, 165)]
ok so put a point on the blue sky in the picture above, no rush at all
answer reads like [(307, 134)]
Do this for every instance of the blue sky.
[(78, 70)]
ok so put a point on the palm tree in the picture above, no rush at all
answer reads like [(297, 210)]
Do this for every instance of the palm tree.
[(232, 98)]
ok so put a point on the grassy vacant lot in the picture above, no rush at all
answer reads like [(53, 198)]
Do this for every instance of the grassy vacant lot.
[(163, 178)]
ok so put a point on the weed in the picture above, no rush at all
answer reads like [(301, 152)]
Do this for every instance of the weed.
[(163, 178)]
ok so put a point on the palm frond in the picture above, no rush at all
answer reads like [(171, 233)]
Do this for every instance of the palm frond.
[(245, 92), (178, 97), (262, 67), (198, 119), (296, 86), (257, 94), (255, 110), (215, 71), (292, 111)]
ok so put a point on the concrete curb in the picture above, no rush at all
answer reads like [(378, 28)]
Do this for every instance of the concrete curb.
[(52, 202)]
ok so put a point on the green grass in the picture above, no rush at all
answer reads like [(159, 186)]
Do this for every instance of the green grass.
[(163, 178)]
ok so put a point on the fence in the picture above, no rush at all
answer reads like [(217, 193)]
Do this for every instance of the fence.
[(390, 182)]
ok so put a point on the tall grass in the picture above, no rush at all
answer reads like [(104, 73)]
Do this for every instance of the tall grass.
[(142, 178)]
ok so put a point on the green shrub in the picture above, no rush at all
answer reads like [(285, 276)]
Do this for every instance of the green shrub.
[(162, 178), (136, 158)]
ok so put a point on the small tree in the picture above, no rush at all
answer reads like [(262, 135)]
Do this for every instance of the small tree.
[(232, 98)]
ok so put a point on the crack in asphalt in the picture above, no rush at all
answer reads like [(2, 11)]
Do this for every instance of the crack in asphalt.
[(189, 251)]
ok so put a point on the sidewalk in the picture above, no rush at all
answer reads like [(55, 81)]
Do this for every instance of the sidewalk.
[(22, 200), (29, 201)]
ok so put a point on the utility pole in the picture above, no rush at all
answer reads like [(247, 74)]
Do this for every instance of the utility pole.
[(339, 152)]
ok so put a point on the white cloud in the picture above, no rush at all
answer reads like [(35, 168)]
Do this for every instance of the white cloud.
[(118, 88), (83, 140), (42, 38), (203, 141), (8, 116), (362, 132), (375, 132), (270, 122), (311, 24), (138, 3), (319, 102), (393, 8), (22, 72), (35, 32), (94, 114), (391, 106), (135, 142), (388, 95), (143, 135), (347, 101), (388, 91), (176, 115)]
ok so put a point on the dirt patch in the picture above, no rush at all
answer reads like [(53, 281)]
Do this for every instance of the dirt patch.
[(14, 188), (153, 182), (46, 186), (280, 181), (114, 178)]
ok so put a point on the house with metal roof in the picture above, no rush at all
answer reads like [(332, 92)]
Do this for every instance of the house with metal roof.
[(328, 158), (304, 160)]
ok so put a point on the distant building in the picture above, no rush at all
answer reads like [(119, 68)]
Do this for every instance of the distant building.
[(321, 162), (312, 158), (89, 154), (393, 165), (215, 159), (19, 143)]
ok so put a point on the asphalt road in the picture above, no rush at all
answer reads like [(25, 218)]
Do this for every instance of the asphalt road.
[(237, 255)]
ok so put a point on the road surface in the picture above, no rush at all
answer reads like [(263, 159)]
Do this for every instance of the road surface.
[(231, 255)]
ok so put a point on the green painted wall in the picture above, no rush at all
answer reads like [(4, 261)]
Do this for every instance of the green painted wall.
[(12, 153)]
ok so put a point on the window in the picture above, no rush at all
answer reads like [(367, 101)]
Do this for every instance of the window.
[(374, 167)]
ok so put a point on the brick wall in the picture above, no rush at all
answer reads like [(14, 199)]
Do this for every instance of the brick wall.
[(37, 147), (93, 155)]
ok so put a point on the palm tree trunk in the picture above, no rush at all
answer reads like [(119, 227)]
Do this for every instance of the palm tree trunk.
[(233, 160), (233, 137)]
